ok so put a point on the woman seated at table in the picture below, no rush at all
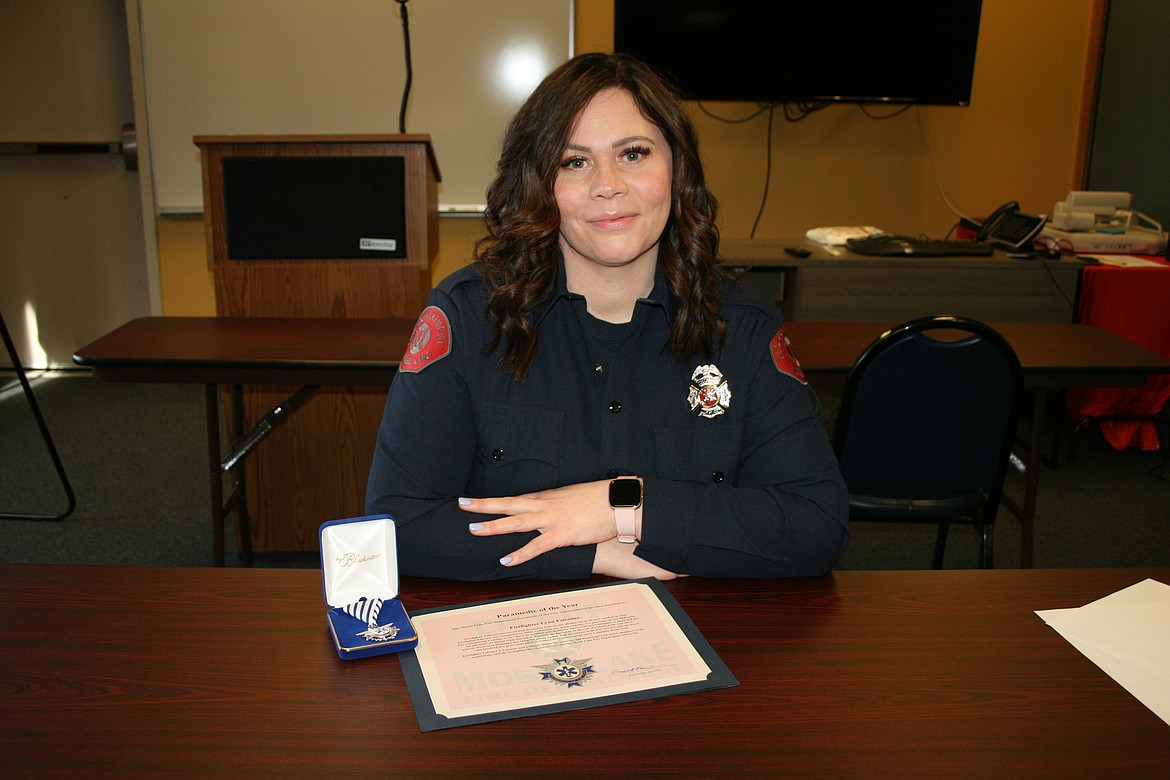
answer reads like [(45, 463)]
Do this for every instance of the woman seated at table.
[(593, 394)]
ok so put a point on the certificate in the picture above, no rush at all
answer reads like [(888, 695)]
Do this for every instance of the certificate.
[(565, 650)]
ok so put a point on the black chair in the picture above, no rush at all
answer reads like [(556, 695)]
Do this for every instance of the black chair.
[(926, 424)]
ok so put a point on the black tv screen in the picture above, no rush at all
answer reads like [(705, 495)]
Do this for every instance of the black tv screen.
[(773, 51)]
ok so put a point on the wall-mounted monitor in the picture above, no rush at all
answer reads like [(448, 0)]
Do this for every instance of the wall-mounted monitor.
[(773, 51)]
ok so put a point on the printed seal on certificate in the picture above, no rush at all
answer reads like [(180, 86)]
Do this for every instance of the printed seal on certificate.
[(567, 672), (359, 572)]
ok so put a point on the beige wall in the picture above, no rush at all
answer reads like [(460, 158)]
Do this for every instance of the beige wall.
[(1022, 138), (72, 261)]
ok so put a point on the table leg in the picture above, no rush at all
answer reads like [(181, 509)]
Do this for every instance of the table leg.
[(239, 496), (235, 503), (1032, 477), (211, 401), (1026, 510)]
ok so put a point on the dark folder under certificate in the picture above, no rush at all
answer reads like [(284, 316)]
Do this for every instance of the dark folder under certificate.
[(564, 650)]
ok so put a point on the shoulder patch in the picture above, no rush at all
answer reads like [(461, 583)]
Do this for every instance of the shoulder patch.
[(430, 341), (784, 358)]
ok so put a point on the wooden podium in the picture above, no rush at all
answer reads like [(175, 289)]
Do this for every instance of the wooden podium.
[(287, 219)]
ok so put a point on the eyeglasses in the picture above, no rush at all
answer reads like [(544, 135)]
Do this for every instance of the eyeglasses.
[(1049, 244)]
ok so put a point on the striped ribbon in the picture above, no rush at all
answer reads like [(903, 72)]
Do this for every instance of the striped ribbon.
[(366, 610)]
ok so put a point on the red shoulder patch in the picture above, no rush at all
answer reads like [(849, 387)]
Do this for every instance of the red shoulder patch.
[(784, 358), (430, 341)]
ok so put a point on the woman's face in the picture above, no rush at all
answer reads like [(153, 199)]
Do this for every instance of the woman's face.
[(613, 185)]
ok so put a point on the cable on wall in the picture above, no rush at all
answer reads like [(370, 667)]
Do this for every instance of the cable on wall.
[(409, 66), (934, 169), (795, 112), (767, 174)]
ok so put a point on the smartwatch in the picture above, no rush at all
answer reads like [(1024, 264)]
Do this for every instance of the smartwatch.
[(625, 496)]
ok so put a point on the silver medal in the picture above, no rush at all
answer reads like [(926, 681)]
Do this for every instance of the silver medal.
[(367, 610)]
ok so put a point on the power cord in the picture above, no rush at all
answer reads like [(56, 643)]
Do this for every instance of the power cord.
[(934, 170), (409, 66), (767, 174)]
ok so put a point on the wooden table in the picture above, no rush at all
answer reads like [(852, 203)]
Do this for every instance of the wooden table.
[(314, 351), (235, 351), (835, 283), (147, 672), (1053, 356), (250, 350)]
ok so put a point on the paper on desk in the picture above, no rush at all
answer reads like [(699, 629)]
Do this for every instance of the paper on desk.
[(1125, 261), (840, 235), (1127, 634)]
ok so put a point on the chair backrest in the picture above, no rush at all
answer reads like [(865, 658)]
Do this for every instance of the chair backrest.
[(930, 406)]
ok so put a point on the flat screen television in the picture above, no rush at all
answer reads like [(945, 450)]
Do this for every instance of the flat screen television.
[(775, 51)]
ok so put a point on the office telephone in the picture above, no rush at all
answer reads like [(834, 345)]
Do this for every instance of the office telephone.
[(1009, 227)]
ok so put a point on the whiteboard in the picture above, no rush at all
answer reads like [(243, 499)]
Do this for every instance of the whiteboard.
[(243, 67)]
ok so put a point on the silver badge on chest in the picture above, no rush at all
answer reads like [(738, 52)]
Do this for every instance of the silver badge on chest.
[(709, 395)]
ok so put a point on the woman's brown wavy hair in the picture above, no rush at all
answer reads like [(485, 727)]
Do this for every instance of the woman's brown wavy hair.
[(518, 256)]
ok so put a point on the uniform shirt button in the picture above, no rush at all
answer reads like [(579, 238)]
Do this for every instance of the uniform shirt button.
[(497, 454), (615, 407), (611, 474), (598, 367), (717, 477)]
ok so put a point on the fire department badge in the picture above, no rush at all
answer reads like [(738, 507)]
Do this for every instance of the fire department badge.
[(709, 394), (784, 358), (430, 341)]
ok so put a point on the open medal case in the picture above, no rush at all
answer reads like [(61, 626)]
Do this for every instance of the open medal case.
[(359, 571)]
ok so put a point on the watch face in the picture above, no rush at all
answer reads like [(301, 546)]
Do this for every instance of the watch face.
[(625, 492)]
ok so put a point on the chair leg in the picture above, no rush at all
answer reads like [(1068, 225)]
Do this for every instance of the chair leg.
[(986, 549), (940, 544), (1083, 423)]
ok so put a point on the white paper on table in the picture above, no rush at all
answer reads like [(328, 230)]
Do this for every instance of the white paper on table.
[(1127, 634), (1125, 261)]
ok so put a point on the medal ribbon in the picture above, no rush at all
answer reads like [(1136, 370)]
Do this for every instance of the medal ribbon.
[(365, 609)]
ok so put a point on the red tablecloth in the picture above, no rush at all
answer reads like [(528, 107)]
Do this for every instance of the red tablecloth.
[(1134, 303)]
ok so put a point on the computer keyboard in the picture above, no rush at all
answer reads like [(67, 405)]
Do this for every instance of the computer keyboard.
[(894, 245)]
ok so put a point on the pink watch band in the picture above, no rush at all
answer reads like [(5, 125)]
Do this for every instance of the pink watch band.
[(626, 526)]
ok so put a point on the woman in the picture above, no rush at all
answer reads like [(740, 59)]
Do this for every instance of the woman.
[(593, 395)]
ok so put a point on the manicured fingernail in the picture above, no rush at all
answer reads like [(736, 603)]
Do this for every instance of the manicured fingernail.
[(506, 560), (464, 501), (475, 526)]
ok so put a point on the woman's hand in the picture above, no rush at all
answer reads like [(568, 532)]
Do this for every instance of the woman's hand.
[(568, 516), (565, 517), (615, 559)]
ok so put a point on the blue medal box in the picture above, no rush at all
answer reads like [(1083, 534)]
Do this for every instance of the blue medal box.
[(359, 572)]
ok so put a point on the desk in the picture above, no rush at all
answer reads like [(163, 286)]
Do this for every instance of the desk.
[(1053, 356), (124, 672), (835, 284), (234, 351), (310, 351)]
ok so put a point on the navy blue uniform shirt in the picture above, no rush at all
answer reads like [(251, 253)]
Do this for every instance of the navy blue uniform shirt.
[(740, 479)]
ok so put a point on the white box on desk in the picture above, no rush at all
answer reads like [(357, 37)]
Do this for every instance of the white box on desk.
[(359, 569)]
